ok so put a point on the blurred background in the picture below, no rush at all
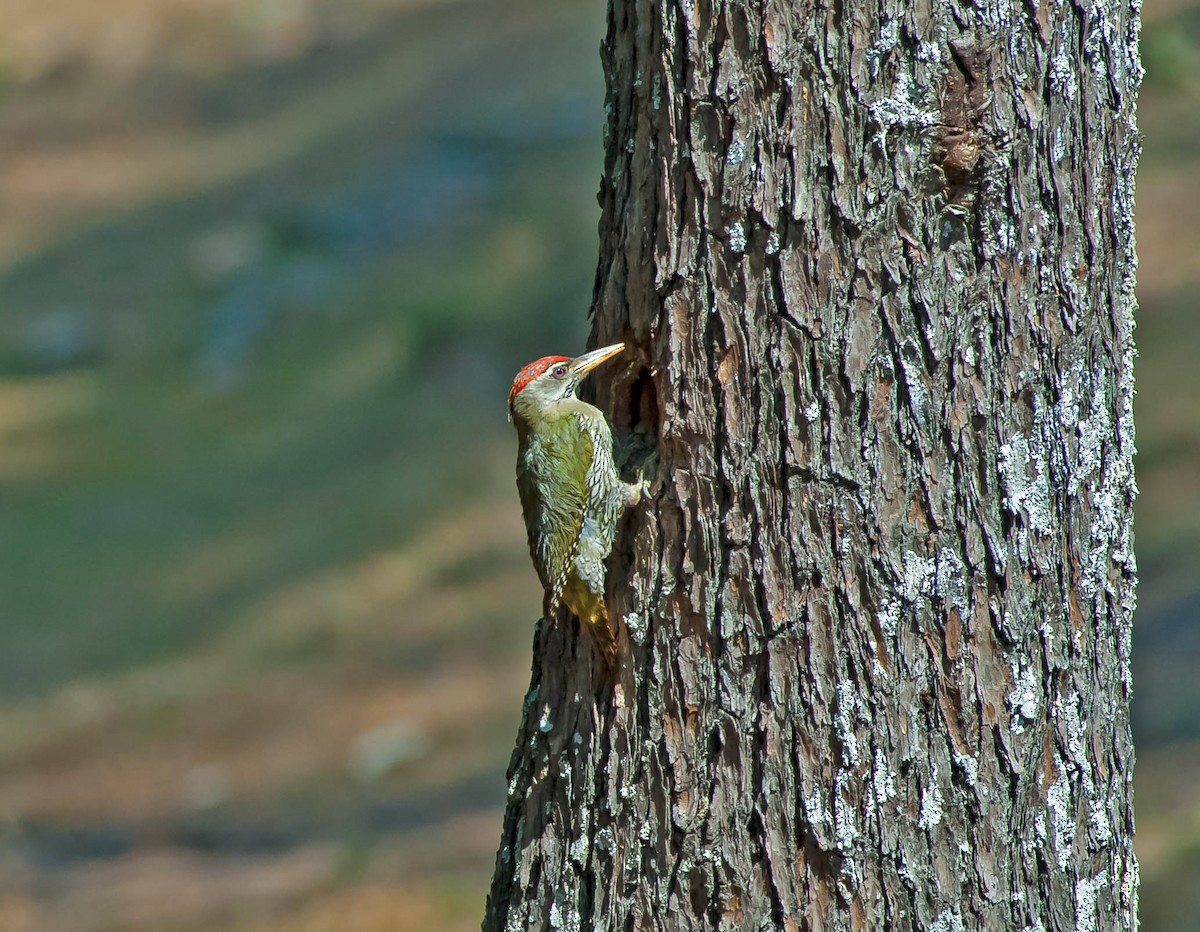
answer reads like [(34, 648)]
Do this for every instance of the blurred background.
[(267, 268)]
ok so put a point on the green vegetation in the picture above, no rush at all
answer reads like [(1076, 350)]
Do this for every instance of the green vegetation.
[(266, 272), (257, 473)]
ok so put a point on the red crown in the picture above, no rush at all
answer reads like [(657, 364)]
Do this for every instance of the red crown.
[(532, 371)]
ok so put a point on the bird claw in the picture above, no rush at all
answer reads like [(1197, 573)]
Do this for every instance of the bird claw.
[(648, 482)]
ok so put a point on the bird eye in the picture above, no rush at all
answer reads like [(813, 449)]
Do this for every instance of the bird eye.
[(559, 371)]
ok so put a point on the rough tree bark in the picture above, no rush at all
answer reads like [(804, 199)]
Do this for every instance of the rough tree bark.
[(877, 260)]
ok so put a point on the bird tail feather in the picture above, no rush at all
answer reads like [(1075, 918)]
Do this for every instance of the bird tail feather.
[(608, 636)]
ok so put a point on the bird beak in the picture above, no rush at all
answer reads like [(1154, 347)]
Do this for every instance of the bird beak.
[(582, 365)]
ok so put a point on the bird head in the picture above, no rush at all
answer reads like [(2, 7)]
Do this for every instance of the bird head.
[(552, 379)]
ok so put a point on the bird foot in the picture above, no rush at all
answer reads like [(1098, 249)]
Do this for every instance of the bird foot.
[(647, 483)]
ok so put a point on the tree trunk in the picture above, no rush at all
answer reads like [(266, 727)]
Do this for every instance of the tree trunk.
[(878, 262)]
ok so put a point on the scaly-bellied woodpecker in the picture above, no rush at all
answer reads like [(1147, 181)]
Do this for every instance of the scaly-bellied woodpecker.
[(571, 494)]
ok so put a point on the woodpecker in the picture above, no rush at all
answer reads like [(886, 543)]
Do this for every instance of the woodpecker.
[(571, 494)]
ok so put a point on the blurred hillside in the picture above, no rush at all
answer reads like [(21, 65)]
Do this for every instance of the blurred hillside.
[(1167, 411), (266, 271)]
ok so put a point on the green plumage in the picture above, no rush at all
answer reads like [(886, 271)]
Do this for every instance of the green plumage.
[(555, 458)]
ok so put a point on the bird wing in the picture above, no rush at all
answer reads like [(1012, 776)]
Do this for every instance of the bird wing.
[(554, 493), (571, 502)]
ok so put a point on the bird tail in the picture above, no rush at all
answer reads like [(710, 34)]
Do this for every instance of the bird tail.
[(607, 640), (589, 607)]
